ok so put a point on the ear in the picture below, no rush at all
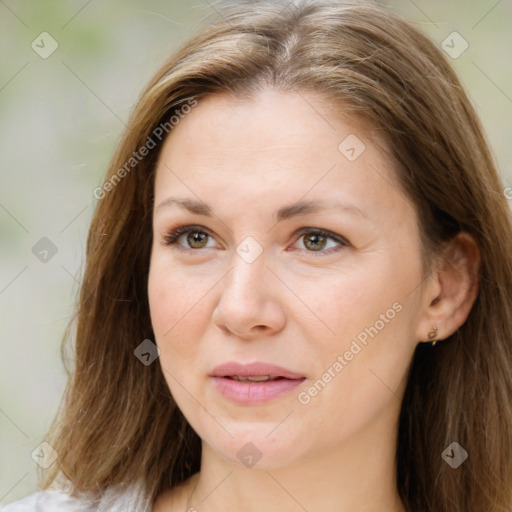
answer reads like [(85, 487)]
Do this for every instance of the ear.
[(452, 288)]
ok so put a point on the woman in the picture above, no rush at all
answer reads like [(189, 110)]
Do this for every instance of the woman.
[(298, 293)]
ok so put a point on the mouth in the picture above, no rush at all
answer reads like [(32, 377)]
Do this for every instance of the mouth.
[(254, 383), (253, 378), (257, 370)]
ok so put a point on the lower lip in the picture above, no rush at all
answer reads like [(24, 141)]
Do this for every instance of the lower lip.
[(245, 392)]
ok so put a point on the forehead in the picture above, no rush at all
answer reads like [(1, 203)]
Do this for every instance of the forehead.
[(272, 149)]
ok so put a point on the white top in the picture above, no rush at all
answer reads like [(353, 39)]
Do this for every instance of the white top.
[(128, 500)]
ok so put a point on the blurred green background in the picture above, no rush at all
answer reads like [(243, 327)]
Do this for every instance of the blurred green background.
[(61, 117)]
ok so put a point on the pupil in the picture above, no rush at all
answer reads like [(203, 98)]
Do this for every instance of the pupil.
[(197, 237), (315, 240)]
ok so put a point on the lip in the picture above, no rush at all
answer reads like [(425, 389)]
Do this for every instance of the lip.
[(247, 393), (232, 368)]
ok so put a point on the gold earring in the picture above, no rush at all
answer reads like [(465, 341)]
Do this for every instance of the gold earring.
[(432, 335)]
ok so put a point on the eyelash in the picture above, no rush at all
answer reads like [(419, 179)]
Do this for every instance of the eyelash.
[(171, 238)]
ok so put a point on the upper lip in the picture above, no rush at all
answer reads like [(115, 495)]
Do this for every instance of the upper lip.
[(233, 368)]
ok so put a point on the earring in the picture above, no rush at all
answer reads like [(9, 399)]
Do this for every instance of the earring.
[(432, 335)]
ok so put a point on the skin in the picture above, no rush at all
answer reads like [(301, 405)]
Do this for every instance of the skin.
[(292, 306)]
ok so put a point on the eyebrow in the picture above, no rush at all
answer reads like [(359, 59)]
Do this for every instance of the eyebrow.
[(283, 213)]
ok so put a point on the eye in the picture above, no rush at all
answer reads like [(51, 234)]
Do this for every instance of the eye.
[(196, 237), (315, 240)]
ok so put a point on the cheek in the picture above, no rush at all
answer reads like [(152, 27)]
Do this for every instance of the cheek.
[(174, 331), (343, 302), (362, 368), (366, 316), (175, 307), (172, 292)]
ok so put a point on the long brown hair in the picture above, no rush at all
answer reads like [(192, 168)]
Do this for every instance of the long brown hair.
[(118, 423)]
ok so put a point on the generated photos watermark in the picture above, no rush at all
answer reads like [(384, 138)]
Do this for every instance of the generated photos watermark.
[(305, 397), (143, 151)]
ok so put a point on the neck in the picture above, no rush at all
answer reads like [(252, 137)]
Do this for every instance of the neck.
[(359, 475)]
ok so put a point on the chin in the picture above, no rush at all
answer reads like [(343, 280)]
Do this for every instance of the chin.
[(253, 448)]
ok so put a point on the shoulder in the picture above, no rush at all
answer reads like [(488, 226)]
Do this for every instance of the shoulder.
[(55, 500), (43, 501)]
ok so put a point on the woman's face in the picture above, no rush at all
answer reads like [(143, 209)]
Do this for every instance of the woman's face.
[(341, 310)]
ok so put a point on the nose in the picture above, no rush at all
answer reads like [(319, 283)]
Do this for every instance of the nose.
[(250, 303)]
